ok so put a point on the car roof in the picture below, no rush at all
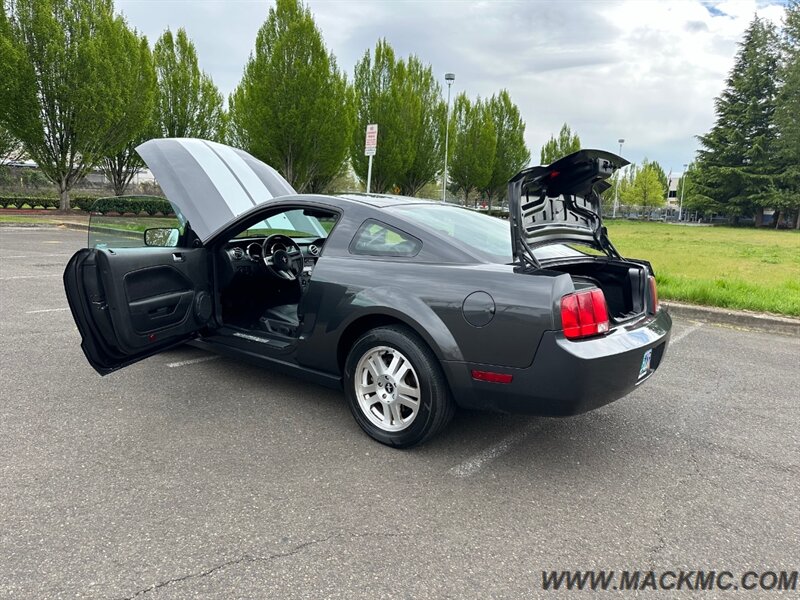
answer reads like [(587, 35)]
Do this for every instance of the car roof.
[(384, 200)]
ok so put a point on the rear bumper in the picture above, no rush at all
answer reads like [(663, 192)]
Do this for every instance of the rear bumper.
[(567, 377)]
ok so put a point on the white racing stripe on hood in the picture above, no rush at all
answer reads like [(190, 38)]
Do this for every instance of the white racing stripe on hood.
[(222, 176), (210, 184), (248, 180)]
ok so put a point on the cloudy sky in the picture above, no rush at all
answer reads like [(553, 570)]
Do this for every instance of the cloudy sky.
[(645, 71)]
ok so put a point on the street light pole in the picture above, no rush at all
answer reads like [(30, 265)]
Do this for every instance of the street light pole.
[(449, 78), (616, 189), (683, 191)]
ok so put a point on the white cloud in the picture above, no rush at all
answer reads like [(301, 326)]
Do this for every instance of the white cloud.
[(644, 71)]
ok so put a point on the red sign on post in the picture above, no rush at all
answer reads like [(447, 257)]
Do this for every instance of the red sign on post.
[(371, 143)]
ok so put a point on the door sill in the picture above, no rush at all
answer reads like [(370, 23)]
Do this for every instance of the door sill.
[(273, 341)]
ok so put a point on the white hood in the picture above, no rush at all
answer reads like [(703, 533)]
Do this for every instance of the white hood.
[(209, 184)]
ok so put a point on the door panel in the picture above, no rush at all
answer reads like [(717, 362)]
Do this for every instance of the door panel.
[(131, 303)]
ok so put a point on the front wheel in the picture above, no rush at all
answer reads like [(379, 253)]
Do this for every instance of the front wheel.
[(395, 387)]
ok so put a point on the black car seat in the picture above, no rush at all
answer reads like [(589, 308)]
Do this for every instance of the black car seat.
[(282, 319)]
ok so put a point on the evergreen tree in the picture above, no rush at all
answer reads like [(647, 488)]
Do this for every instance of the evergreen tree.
[(292, 108), (511, 153), (566, 143), (737, 157), (694, 200), (787, 118)]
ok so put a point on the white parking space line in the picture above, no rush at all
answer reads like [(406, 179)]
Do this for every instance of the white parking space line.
[(10, 230), (476, 462), (45, 310), (28, 277), (192, 361), (36, 255), (686, 332)]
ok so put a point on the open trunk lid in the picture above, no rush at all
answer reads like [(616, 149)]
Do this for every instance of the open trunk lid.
[(208, 184), (560, 203)]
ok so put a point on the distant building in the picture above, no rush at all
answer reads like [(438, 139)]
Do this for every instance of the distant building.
[(95, 176), (672, 191)]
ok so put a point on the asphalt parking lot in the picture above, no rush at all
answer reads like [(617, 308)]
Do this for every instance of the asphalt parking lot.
[(189, 474)]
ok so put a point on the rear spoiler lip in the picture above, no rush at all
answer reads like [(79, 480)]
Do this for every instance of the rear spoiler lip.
[(566, 165)]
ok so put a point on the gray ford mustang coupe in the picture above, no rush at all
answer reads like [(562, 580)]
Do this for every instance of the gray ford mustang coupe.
[(413, 307)]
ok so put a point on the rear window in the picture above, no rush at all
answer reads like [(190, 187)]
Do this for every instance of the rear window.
[(379, 239), (489, 236)]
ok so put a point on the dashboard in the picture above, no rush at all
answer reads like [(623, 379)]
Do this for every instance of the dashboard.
[(245, 256)]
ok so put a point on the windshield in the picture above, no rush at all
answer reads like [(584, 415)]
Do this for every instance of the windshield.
[(293, 223)]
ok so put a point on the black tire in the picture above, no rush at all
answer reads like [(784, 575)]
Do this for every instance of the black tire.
[(436, 406)]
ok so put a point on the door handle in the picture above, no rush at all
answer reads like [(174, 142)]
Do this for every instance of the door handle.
[(177, 257)]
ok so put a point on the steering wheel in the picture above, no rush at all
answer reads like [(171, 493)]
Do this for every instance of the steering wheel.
[(282, 256)]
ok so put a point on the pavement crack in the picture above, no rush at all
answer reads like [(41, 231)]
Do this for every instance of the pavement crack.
[(248, 558)]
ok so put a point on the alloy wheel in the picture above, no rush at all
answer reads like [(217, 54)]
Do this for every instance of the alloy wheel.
[(387, 388)]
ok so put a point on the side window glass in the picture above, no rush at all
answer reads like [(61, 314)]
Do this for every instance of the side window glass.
[(379, 239), (134, 222)]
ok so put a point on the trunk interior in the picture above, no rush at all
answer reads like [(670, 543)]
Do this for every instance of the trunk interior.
[(623, 283)]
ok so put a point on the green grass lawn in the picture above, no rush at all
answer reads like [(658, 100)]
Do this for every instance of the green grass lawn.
[(753, 269)]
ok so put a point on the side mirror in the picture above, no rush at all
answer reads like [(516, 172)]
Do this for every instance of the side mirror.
[(163, 237)]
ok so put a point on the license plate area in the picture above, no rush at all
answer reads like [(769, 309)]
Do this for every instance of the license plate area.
[(644, 369)]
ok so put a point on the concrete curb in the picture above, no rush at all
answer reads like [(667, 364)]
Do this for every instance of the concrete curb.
[(76, 226), (51, 225), (735, 318)]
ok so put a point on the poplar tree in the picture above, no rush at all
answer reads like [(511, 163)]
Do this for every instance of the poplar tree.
[(511, 154), (188, 103), (566, 143), (293, 107), (424, 127), (384, 97), (474, 147), (646, 191), (71, 82), (10, 148)]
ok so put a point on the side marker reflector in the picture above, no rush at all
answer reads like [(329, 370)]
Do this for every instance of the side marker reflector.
[(492, 377)]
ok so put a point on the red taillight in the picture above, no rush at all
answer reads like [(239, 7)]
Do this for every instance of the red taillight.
[(654, 293), (584, 314), (491, 377)]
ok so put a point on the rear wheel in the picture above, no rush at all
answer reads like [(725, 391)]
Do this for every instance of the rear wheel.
[(395, 387)]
